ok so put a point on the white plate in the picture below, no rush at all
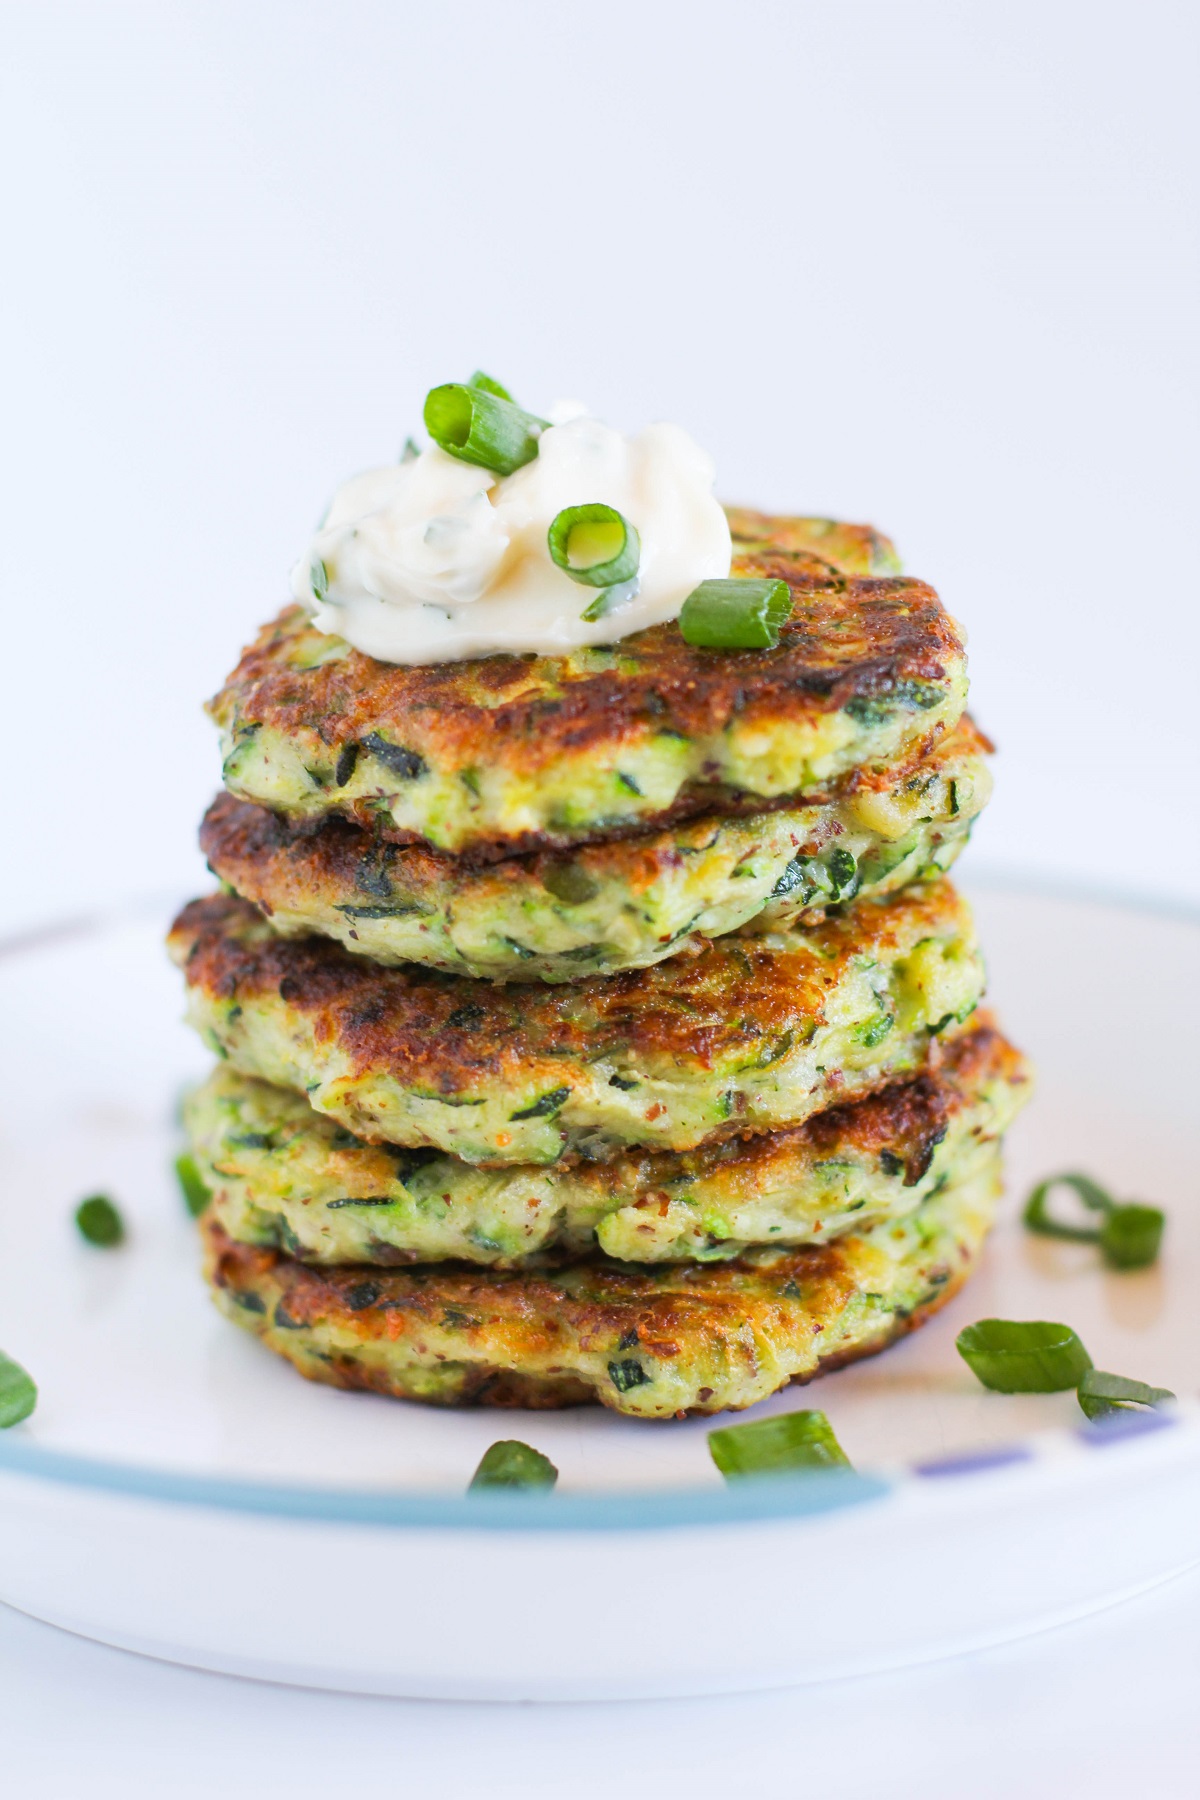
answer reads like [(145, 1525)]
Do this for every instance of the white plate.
[(182, 1492)]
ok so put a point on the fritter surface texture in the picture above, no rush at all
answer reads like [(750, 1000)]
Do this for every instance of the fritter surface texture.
[(514, 753), (652, 1341), (744, 1035), (286, 1178), (609, 906)]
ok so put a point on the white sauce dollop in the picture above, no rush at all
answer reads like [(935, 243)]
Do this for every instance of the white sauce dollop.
[(435, 560)]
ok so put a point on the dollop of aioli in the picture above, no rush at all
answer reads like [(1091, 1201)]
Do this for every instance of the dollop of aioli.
[(435, 560)]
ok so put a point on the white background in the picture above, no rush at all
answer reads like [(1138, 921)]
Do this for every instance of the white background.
[(932, 265)]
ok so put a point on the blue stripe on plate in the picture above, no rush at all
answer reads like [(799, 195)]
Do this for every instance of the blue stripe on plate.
[(766, 1497)]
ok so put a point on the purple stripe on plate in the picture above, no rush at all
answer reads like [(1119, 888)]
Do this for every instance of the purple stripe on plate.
[(1119, 1425), (972, 1461)]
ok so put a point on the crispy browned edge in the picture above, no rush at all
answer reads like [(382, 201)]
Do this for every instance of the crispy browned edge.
[(535, 1310), (276, 862), (447, 1032), (530, 712)]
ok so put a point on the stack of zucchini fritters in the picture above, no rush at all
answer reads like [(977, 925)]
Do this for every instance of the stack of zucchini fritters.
[(600, 1027)]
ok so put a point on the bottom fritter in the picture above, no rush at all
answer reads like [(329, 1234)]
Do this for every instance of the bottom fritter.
[(652, 1341)]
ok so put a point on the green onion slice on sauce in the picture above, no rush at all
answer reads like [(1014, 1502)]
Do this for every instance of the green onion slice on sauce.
[(735, 614), (594, 544), (778, 1446), (482, 428), (1101, 1395), (512, 1464), (18, 1392), (1128, 1233), (1016, 1356), (611, 599), (192, 1185), (99, 1222)]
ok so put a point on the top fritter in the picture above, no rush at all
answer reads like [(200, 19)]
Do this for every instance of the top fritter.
[(510, 753)]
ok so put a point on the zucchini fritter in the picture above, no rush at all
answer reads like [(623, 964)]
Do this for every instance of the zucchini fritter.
[(610, 906), (506, 754), (283, 1177), (742, 1035), (652, 1341)]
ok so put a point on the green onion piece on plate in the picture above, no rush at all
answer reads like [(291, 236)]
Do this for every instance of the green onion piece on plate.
[(1101, 1395), (1131, 1236), (1016, 1356), (512, 1464), (1128, 1233), (18, 1392), (192, 1184), (481, 428), (99, 1221), (735, 614), (778, 1446), (480, 380), (594, 544), (1039, 1218)]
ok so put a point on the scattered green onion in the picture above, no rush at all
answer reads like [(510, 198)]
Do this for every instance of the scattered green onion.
[(192, 1184), (1131, 1236), (612, 599), (482, 428), (735, 614), (1128, 1233), (480, 380), (512, 1464), (594, 544), (18, 1392), (411, 450), (1016, 1356), (99, 1221), (1101, 1394), (1038, 1217), (796, 1440)]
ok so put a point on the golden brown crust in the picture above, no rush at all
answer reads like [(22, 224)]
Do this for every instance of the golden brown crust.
[(848, 640), (451, 1034), (701, 1337), (910, 1118), (854, 549), (278, 863)]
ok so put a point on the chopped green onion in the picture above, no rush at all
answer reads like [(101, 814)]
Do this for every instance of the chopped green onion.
[(795, 1440), (480, 380), (18, 1392), (192, 1184), (1101, 1395), (1017, 1356), (1038, 1217), (318, 576), (735, 614), (480, 427), (99, 1221), (411, 450), (512, 1464), (1129, 1234), (612, 599), (594, 544)]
